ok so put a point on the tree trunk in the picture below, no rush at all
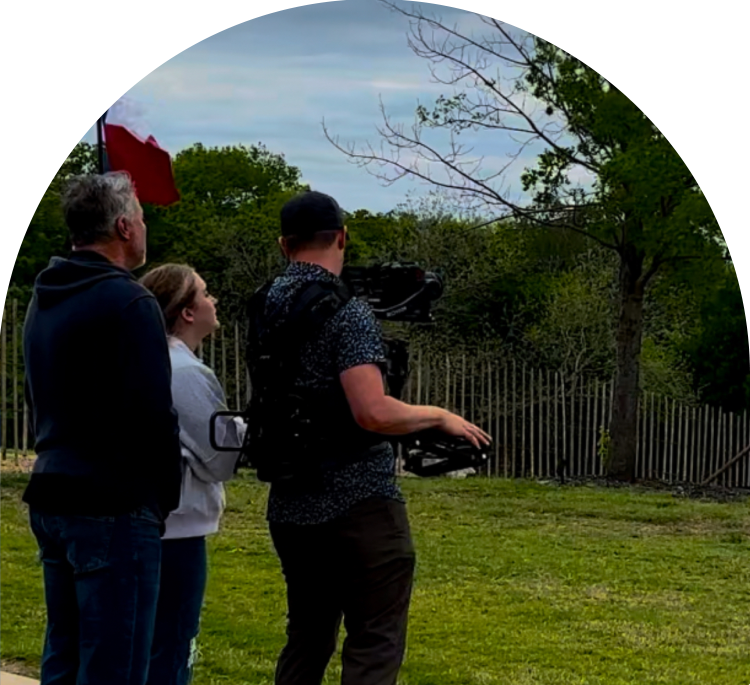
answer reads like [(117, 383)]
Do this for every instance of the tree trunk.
[(624, 426)]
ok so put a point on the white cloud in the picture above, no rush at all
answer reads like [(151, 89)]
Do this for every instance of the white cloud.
[(274, 79)]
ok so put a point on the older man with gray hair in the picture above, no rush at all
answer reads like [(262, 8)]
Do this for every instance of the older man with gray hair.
[(108, 465)]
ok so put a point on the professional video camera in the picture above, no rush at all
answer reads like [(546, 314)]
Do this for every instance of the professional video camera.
[(397, 292)]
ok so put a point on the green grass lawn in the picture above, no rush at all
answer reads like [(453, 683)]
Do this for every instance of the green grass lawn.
[(517, 583)]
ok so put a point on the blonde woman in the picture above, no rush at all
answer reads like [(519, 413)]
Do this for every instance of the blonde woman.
[(190, 316)]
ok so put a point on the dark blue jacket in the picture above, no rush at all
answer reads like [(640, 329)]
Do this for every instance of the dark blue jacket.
[(98, 387)]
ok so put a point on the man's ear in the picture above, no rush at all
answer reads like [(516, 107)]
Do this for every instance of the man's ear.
[(122, 229), (283, 247), (341, 244)]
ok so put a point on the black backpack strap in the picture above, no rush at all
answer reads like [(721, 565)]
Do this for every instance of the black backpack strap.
[(314, 304), (256, 308)]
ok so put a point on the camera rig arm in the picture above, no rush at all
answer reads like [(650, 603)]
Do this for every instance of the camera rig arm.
[(430, 452)]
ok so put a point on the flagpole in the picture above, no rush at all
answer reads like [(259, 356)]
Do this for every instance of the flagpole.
[(100, 140), (100, 149)]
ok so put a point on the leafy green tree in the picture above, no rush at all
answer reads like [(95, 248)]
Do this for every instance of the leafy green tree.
[(250, 254), (641, 201), (47, 235), (226, 222), (718, 350), (575, 333)]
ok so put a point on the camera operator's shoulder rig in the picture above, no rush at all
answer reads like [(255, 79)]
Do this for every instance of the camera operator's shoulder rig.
[(295, 433)]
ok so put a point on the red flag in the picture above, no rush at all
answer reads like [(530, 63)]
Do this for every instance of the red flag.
[(149, 166)]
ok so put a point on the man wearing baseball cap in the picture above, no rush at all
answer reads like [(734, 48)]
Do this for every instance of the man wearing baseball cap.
[(344, 542)]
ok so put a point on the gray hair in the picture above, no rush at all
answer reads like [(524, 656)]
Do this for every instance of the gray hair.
[(93, 203)]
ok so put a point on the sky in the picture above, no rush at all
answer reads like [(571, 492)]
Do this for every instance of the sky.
[(275, 78)]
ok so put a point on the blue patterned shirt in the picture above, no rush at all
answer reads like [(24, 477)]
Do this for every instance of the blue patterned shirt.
[(352, 337)]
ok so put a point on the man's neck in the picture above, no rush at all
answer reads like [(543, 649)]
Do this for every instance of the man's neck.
[(108, 252), (328, 262)]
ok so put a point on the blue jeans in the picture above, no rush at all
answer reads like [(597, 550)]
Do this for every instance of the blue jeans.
[(101, 583), (181, 591)]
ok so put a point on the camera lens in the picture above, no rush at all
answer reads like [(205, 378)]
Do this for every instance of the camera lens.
[(433, 285)]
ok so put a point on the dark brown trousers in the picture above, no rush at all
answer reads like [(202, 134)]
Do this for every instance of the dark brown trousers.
[(358, 568)]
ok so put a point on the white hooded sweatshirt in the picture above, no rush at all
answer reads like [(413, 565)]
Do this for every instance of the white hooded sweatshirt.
[(197, 394)]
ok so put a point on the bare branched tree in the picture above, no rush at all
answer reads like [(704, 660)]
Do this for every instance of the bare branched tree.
[(641, 200)]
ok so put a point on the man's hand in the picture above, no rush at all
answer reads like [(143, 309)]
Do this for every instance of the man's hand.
[(454, 425)]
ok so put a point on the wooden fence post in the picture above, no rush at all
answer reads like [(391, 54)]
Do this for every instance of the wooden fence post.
[(532, 444), (716, 439), (572, 446), (650, 462), (505, 419), (472, 403), (213, 351), (670, 472), (428, 380), (550, 406), (523, 421), (730, 475), (540, 423), (419, 377), (489, 409), (14, 386), (563, 421), (223, 359), (454, 394), (25, 429), (705, 464), (693, 455), (463, 386), (745, 481), (587, 450), (447, 382), (3, 383), (686, 444), (579, 425), (723, 444), (610, 403), (555, 431), (237, 389), (497, 419), (680, 442), (514, 422)]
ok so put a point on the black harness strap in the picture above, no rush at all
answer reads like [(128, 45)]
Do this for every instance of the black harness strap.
[(315, 304)]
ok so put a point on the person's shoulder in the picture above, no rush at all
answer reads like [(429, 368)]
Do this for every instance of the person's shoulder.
[(276, 290), (179, 355), (121, 300), (126, 291), (183, 360), (137, 291), (355, 311)]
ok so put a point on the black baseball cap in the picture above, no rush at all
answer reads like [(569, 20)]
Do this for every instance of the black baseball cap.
[(309, 213)]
